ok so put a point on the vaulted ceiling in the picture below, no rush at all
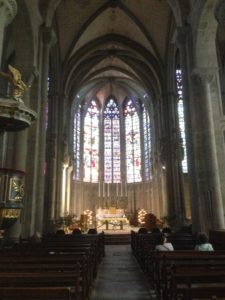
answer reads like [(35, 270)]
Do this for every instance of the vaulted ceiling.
[(113, 47)]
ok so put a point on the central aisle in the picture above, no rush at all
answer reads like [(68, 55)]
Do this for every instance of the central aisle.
[(119, 277)]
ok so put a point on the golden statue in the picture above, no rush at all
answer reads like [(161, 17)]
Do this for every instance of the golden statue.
[(18, 86)]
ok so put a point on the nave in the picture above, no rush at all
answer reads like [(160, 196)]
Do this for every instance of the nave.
[(119, 276)]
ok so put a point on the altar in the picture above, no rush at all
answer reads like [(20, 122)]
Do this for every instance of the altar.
[(111, 217)]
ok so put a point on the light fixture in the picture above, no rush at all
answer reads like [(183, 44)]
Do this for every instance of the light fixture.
[(141, 216)]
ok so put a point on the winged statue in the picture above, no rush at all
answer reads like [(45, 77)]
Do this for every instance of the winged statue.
[(19, 189), (15, 78)]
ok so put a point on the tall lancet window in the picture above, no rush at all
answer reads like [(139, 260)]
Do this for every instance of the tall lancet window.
[(91, 143), (147, 144), (76, 143), (112, 142), (180, 109), (133, 143)]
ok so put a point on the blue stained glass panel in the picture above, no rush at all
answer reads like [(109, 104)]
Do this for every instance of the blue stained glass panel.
[(133, 143), (91, 143)]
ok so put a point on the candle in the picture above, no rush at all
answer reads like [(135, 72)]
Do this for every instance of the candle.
[(99, 189)]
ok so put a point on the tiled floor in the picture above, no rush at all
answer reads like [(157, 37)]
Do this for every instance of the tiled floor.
[(119, 277)]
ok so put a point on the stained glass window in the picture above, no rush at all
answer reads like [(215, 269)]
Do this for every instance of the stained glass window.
[(91, 143), (76, 143), (112, 142), (133, 143), (180, 109), (147, 144)]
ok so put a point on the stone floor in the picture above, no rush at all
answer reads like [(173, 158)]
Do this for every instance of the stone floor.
[(119, 277)]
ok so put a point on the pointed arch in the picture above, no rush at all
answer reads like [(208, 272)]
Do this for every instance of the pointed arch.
[(112, 157), (132, 141), (91, 143)]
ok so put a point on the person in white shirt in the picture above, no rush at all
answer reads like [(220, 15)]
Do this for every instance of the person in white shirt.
[(202, 243), (163, 245)]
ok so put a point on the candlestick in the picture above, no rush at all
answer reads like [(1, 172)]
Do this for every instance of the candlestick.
[(103, 183), (99, 188), (117, 189)]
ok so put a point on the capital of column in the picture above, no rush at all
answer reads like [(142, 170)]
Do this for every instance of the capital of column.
[(9, 9), (181, 35), (220, 12), (207, 75), (48, 35)]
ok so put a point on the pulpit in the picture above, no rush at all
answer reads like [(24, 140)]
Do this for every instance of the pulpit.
[(11, 196)]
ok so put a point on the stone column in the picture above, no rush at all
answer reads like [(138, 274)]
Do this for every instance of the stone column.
[(48, 38), (210, 185), (220, 12), (184, 42), (68, 188), (8, 10)]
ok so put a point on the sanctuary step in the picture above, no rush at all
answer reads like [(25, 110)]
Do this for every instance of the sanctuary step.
[(117, 239)]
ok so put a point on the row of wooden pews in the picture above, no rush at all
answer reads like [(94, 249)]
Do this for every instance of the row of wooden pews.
[(182, 274), (59, 267)]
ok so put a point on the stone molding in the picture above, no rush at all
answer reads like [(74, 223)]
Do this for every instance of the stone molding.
[(10, 10), (207, 75), (181, 36), (220, 12), (48, 36)]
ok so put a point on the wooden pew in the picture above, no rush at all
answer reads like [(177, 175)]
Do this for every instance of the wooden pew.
[(187, 280), (95, 239), (58, 254), (71, 280), (164, 262), (49, 263), (35, 293), (78, 251), (217, 291)]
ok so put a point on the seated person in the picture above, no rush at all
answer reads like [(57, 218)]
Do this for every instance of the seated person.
[(60, 232), (166, 230), (155, 230), (92, 231), (77, 231), (163, 245), (142, 230), (202, 243)]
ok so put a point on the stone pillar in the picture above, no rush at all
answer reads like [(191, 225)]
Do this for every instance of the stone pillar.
[(171, 155), (184, 43), (220, 12), (48, 38), (210, 185), (68, 188), (8, 10)]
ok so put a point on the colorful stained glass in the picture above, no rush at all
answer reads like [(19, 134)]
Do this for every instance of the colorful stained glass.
[(133, 143), (76, 143), (147, 144), (112, 142), (91, 143), (180, 109)]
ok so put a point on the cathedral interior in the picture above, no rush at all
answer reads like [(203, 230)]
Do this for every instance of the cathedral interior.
[(111, 104)]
